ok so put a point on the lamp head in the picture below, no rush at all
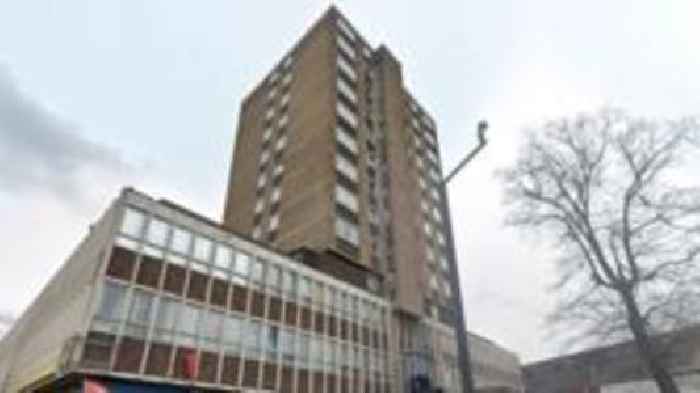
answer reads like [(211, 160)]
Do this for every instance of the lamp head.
[(481, 128)]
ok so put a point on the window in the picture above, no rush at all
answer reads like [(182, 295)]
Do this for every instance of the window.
[(167, 314), (133, 223), (202, 248), (285, 100), (346, 114), (346, 47), (283, 121), (273, 277), (210, 325), (304, 289), (272, 94), (444, 264), (347, 91), (274, 222), (257, 272), (345, 28), (270, 113), (253, 337), (272, 339), (242, 264), (330, 297), (331, 357), (424, 206), (264, 157), (441, 238), (429, 254), (433, 282), (346, 197), (436, 196), (347, 231), (287, 79), (232, 332), (276, 193), (187, 322), (287, 345), (317, 292), (346, 140), (281, 143), (347, 69), (267, 134), (289, 283), (427, 229), (224, 256), (157, 232), (140, 313), (447, 289), (262, 180), (112, 302), (436, 214), (259, 206), (257, 232), (346, 167), (279, 169), (422, 183), (303, 348), (181, 241)]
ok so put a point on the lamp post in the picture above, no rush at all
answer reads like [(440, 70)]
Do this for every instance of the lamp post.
[(460, 325)]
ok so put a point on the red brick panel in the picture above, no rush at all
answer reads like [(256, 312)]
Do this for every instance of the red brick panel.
[(149, 271), (129, 355), (158, 359), (303, 381), (251, 369), (98, 350), (230, 372), (219, 292), (208, 367), (121, 263), (174, 279), (319, 322), (318, 382), (306, 318), (239, 298), (290, 315), (198, 286), (332, 326), (257, 307), (275, 309), (287, 380), (269, 376)]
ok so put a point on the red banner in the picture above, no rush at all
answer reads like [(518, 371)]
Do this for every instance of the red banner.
[(90, 386)]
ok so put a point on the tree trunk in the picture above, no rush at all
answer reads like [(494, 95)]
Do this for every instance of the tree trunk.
[(649, 355)]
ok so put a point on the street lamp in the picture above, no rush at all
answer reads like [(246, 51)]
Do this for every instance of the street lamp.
[(461, 328)]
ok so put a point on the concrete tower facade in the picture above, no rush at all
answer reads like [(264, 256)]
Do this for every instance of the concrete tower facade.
[(337, 163)]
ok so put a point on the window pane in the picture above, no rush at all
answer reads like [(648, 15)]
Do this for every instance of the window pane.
[(181, 241), (242, 264), (232, 330), (273, 277), (141, 304), (210, 325), (304, 289), (257, 272), (224, 256), (157, 232), (253, 339), (272, 339), (202, 248), (133, 223), (112, 302), (187, 323), (289, 282), (167, 314)]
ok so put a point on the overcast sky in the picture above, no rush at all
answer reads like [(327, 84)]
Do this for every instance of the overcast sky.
[(95, 95)]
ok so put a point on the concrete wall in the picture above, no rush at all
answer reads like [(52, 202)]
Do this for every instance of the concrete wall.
[(686, 384), (38, 343), (494, 366)]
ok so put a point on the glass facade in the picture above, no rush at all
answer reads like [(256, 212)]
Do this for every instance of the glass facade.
[(180, 304)]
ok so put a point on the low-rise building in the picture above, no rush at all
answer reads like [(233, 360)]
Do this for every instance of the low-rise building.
[(157, 298), (495, 369), (618, 368)]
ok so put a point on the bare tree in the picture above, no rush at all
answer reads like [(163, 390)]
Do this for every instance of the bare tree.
[(614, 194)]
